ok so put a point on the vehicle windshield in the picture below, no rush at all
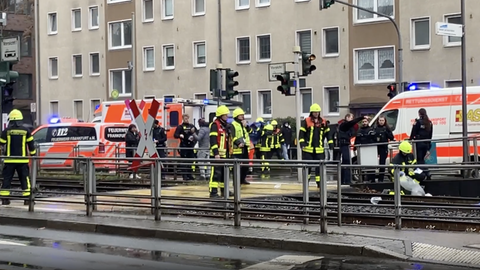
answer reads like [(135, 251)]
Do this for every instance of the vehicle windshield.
[(391, 116)]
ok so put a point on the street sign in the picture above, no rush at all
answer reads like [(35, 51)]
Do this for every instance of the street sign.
[(10, 49), (448, 29), (33, 107), (274, 70)]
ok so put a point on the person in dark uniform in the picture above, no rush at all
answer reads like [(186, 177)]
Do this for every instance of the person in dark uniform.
[(160, 139), (365, 135), (346, 131), (422, 130), (184, 133), (219, 149), (19, 143), (383, 134), (131, 142)]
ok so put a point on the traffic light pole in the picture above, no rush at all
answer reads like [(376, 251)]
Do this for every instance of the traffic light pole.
[(399, 36), (297, 52), (219, 83)]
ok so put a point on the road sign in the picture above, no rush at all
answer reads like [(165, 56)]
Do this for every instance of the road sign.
[(145, 128), (274, 70), (449, 29), (10, 49), (33, 107)]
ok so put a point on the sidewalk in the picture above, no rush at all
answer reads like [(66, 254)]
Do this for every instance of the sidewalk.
[(440, 247)]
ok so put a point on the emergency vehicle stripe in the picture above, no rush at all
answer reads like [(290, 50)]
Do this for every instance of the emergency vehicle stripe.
[(430, 101)]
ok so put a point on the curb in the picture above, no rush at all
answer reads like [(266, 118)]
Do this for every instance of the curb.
[(208, 238)]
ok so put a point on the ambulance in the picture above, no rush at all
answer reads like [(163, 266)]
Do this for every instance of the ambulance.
[(444, 108)]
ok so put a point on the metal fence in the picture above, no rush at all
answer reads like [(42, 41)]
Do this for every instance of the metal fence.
[(239, 207)]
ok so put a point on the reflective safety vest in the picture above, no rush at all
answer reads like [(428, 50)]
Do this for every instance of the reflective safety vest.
[(222, 139), (277, 139), (240, 134), (393, 193)]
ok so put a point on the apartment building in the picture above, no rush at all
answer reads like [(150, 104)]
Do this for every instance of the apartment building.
[(72, 48), (20, 20)]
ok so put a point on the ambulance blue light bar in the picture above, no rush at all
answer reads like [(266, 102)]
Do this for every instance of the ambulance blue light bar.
[(168, 100), (206, 101), (54, 120)]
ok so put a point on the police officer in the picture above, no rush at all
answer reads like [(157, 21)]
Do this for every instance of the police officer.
[(241, 141), (422, 130), (405, 157), (346, 130), (313, 132), (219, 149), (383, 134), (184, 133), (160, 139), (16, 138), (366, 135)]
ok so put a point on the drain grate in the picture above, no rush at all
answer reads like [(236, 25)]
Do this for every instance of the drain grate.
[(445, 254)]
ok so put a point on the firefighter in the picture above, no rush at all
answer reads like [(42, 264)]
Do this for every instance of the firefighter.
[(266, 149), (422, 130), (256, 136), (17, 139), (405, 157), (313, 132), (241, 141), (278, 140), (184, 133), (219, 149)]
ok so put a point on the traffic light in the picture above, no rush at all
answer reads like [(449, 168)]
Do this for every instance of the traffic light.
[(324, 4), (230, 83), (307, 66), (284, 86), (392, 90), (214, 89)]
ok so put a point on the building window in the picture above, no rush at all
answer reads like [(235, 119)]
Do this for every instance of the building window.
[(332, 100), (306, 98), (243, 50), (263, 3), (375, 65), (121, 35), (420, 33), (200, 96), (54, 107), (77, 66), (168, 9), (78, 109), (242, 4), (450, 84), (148, 10), (52, 24), (304, 40), (93, 22), (23, 87), (330, 42), (53, 67), (200, 54), (246, 99), (380, 6), (453, 41), (121, 80), (263, 48), (18, 7), (26, 46), (76, 19), (265, 103), (93, 106), (198, 7), (168, 57), (149, 59), (94, 64)]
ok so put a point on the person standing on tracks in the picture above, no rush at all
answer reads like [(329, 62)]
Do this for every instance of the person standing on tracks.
[(311, 137), (131, 142), (19, 143), (219, 149), (184, 133), (422, 130), (346, 131), (405, 157), (278, 140), (365, 135), (383, 134), (203, 140), (160, 139), (241, 141)]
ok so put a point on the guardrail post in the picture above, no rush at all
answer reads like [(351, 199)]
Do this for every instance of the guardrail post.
[(398, 198), (323, 198), (117, 162), (306, 194), (237, 215), (89, 182), (475, 155), (175, 167), (339, 193), (226, 189), (33, 185), (152, 188), (94, 186), (75, 162), (414, 149), (157, 188)]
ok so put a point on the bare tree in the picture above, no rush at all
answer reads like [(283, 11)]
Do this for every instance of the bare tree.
[(24, 7)]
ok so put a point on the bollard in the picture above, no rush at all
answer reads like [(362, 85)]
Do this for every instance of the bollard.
[(323, 198), (339, 193), (306, 193), (398, 198), (90, 173), (33, 186), (475, 155), (226, 189), (157, 189), (237, 215)]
